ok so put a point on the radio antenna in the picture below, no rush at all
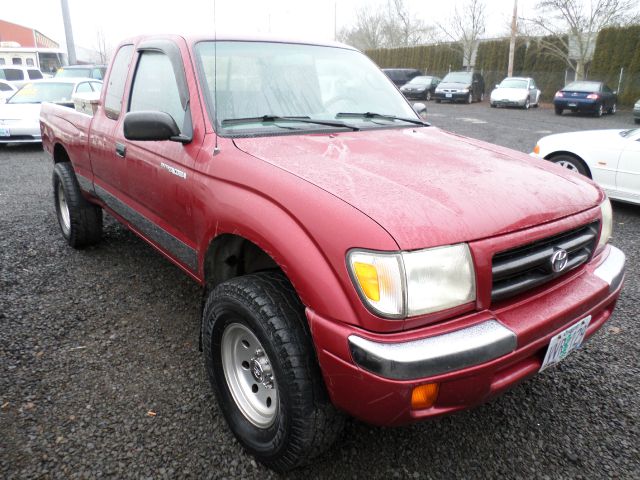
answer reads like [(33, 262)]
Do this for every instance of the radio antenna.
[(216, 150)]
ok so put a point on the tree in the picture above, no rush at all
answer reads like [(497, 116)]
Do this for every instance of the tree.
[(392, 26), (101, 47), (575, 25), (465, 28)]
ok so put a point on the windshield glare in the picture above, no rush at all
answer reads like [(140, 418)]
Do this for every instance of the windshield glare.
[(457, 77), (512, 83), (255, 79), (43, 92), (420, 81)]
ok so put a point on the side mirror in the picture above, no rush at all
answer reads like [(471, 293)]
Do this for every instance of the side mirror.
[(150, 126), (421, 109)]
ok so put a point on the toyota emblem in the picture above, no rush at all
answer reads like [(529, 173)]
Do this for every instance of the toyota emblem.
[(559, 260)]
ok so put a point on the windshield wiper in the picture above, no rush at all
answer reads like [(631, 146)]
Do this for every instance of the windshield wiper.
[(275, 118), (383, 116)]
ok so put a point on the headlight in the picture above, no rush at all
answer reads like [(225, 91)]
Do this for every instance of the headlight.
[(405, 284), (438, 89), (607, 223), (464, 90)]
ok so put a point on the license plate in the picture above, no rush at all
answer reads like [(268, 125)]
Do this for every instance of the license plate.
[(4, 132), (565, 342), (572, 104), (448, 95)]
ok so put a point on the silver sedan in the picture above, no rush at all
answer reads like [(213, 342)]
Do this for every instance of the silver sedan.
[(20, 113)]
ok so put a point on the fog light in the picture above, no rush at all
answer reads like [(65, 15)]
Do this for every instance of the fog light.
[(424, 396)]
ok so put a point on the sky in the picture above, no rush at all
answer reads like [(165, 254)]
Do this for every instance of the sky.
[(304, 19)]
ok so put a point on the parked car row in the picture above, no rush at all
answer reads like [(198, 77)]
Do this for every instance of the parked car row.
[(20, 112)]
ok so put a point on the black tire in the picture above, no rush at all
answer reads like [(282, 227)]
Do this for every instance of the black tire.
[(599, 111), (527, 104), (559, 110), (83, 227), (613, 109), (493, 105), (470, 98), (438, 100), (427, 96), (482, 97), (305, 422), (636, 120), (571, 163)]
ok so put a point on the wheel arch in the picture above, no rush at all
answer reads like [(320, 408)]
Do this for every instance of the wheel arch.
[(558, 153), (60, 154)]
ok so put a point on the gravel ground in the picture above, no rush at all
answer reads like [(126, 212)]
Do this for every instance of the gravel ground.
[(102, 377)]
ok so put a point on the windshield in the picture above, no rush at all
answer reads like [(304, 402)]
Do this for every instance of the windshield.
[(583, 87), (513, 83), (73, 72), (457, 77), (420, 81), (43, 92), (262, 80)]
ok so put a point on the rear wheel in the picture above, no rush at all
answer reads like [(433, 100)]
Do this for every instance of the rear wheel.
[(482, 96), (427, 96), (493, 105), (261, 363), (599, 111), (79, 220), (559, 110), (571, 163), (613, 109)]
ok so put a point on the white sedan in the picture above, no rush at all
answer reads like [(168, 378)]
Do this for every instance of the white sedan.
[(610, 157), (20, 115), (516, 92)]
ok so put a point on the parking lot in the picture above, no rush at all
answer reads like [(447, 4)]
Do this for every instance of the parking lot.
[(102, 377)]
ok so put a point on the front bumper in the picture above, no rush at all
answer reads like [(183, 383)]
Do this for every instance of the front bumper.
[(508, 103), (459, 96), (371, 376), (20, 132)]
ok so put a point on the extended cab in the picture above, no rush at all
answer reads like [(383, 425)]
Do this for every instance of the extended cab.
[(353, 258)]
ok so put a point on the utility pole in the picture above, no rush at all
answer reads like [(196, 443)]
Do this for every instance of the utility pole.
[(512, 43), (68, 33)]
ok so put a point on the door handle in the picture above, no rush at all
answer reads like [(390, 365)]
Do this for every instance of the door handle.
[(121, 150)]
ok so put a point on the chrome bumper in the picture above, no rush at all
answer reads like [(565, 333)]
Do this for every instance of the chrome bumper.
[(612, 269), (434, 355)]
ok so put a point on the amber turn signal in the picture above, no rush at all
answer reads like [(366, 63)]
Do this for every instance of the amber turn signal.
[(368, 278), (536, 149), (424, 396)]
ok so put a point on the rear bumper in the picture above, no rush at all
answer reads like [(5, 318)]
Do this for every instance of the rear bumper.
[(371, 376), (415, 95), (577, 105)]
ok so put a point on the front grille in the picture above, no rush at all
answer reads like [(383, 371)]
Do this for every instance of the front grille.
[(523, 268)]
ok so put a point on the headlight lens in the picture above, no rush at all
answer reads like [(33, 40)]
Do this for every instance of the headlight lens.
[(405, 284), (607, 223), (464, 90)]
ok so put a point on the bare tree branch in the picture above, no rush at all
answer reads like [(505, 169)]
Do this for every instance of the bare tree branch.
[(465, 28)]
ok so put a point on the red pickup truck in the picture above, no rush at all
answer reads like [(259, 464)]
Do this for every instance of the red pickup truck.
[(353, 258)]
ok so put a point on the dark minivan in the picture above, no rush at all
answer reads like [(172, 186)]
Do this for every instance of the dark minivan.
[(461, 87), (400, 76)]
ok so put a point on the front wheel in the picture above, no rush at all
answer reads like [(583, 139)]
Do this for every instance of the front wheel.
[(261, 363), (427, 97), (79, 220), (527, 104), (613, 109), (559, 111), (470, 98), (571, 163)]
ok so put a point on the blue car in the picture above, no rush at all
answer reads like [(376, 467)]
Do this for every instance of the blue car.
[(586, 97)]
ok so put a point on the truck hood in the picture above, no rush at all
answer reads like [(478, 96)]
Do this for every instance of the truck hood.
[(428, 187)]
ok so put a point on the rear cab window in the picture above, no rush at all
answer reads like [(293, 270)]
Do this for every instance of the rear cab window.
[(117, 80)]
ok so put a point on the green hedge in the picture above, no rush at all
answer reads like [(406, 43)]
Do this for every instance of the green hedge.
[(616, 48)]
